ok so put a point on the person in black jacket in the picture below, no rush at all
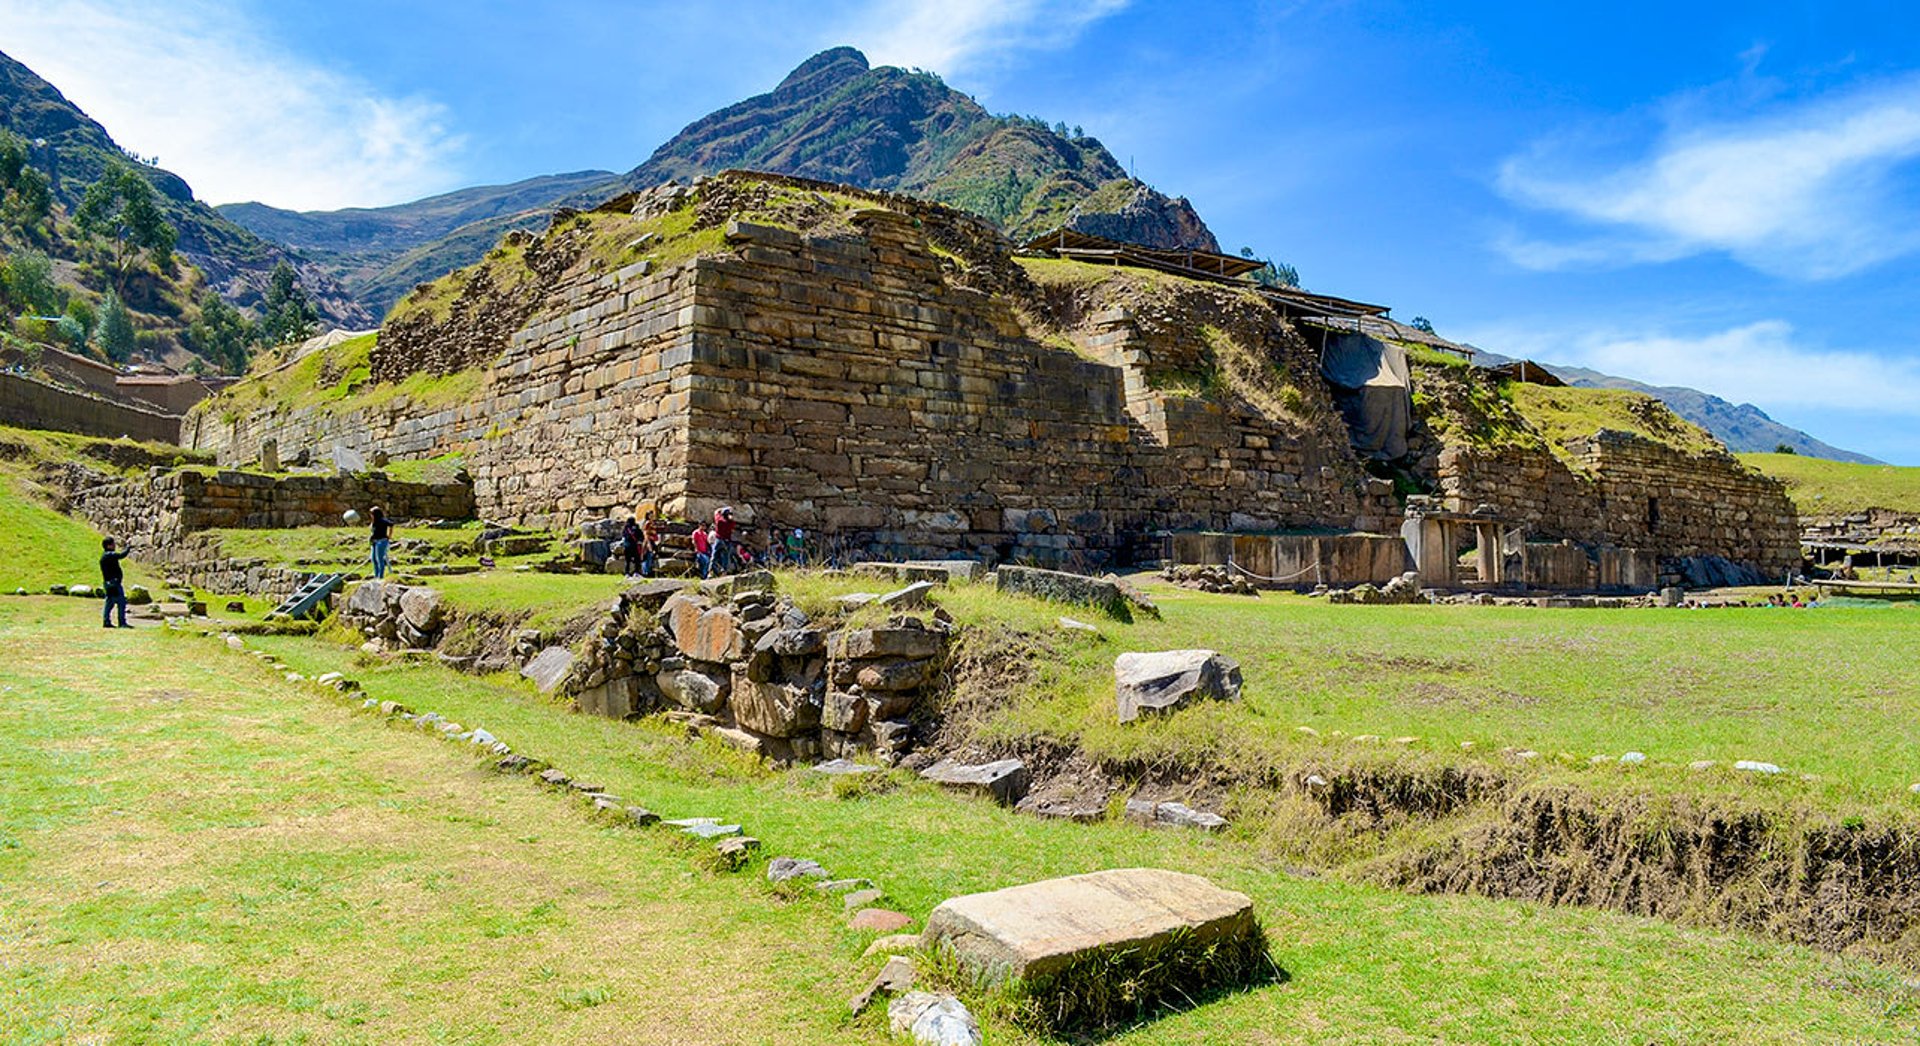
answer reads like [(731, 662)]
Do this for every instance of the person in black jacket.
[(112, 580), (382, 540), (630, 541)]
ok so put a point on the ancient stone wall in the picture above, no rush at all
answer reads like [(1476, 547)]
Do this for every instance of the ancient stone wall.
[(585, 413), (37, 405), (874, 384), (844, 384), (1626, 491), (157, 510)]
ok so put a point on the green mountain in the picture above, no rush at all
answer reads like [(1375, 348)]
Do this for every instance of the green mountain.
[(1743, 427), (75, 151), (836, 118), (380, 253)]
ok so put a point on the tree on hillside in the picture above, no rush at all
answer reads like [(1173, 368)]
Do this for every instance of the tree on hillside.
[(28, 281), (26, 196), (289, 315), (121, 208), (222, 334), (1421, 323), (1271, 273), (114, 332)]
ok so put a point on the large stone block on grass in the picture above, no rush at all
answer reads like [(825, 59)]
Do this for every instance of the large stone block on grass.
[(1005, 780), (549, 668), (1159, 682), (1042, 929), (368, 599), (1062, 587)]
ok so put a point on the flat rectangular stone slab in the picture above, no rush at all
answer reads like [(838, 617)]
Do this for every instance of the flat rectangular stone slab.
[(1042, 928)]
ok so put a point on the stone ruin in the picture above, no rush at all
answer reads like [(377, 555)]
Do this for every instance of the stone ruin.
[(727, 657), (884, 373)]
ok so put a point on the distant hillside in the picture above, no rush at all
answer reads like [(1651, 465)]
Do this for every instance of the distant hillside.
[(1820, 487), (236, 263), (834, 118), (380, 253), (838, 119), (1744, 428)]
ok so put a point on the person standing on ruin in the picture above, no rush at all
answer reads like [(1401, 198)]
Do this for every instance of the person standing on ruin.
[(703, 550), (649, 542), (114, 583), (382, 541), (630, 546), (726, 556), (797, 547)]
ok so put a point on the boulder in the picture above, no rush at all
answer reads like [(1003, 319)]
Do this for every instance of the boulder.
[(704, 633), (691, 690), (879, 920), (652, 595), (1168, 679), (368, 599), (138, 595), (1005, 780), (1043, 928), (844, 768), (895, 977), (792, 642), (1174, 815), (773, 709), (894, 674), (781, 869), (933, 1020), (845, 712), (549, 668), (420, 607)]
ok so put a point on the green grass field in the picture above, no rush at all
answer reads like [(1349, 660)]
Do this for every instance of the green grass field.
[(192, 849), (1820, 487)]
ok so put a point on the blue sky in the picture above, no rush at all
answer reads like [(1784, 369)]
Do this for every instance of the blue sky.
[(1718, 195)]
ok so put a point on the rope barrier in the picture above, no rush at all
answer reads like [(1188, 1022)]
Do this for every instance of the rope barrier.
[(1311, 568)]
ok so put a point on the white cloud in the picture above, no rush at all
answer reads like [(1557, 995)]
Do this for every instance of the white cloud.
[(1810, 190), (951, 37), (1766, 363), (222, 106)]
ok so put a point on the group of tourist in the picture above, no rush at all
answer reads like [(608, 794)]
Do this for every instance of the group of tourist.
[(719, 546)]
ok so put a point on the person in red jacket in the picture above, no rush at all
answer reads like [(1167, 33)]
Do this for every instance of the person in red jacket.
[(703, 550), (726, 555)]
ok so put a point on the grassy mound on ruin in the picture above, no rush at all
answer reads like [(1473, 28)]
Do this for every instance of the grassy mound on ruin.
[(44, 546), (1561, 414), (1820, 487), (199, 849)]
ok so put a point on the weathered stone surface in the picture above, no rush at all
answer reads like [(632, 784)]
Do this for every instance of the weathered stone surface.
[(692, 690), (1168, 679), (844, 768), (1062, 587), (549, 668), (933, 1020), (368, 598), (734, 584), (652, 595), (879, 920), (895, 976), (781, 869), (894, 675), (845, 712), (1005, 780), (420, 607), (704, 633), (861, 644), (1041, 928), (1174, 815), (792, 642), (912, 597), (774, 709)]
